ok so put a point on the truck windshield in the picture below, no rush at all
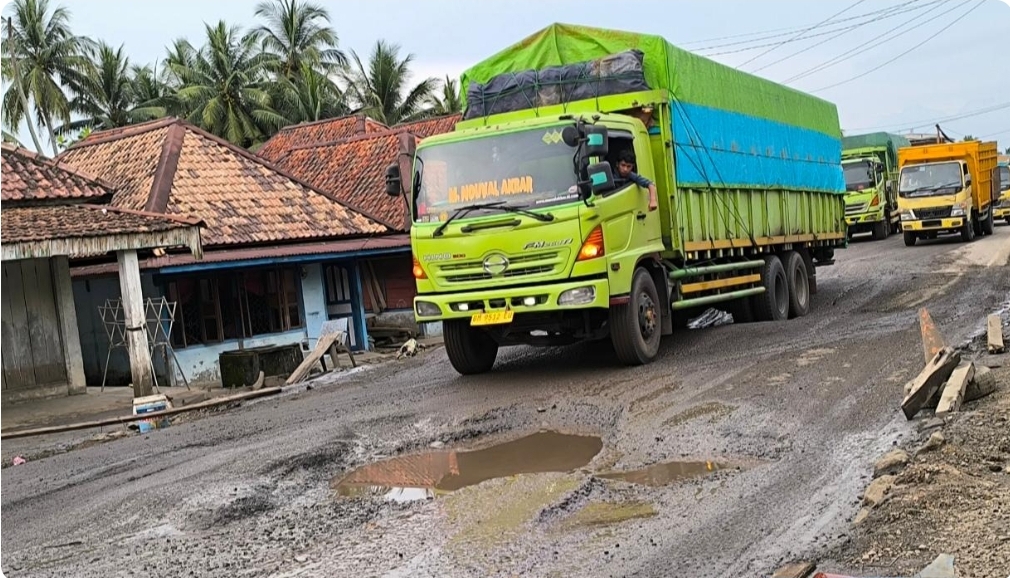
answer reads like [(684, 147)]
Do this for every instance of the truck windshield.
[(1004, 178), (930, 180), (858, 175), (532, 169)]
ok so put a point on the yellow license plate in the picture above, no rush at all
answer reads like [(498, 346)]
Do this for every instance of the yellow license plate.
[(493, 318)]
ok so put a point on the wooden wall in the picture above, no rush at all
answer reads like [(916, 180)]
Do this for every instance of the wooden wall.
[(32, 348)]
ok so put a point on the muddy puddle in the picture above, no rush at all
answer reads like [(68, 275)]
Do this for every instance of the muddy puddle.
[(426, 475), (669, 472)]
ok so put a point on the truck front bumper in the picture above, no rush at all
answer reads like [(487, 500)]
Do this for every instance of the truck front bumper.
[(567, 296), (868, 219), (949, 224), (1001, 213)]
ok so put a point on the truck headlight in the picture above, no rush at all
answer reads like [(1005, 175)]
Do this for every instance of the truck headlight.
[(957, 211), (907, 215), (427, 309), (578, 296)]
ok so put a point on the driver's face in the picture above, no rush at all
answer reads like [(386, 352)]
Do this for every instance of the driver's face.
[(625, 168)]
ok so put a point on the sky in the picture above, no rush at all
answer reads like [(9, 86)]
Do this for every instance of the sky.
[(949, 56)]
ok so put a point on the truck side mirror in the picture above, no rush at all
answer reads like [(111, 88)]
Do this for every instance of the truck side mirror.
[(601, 177), (596, 141), (393, 180), (967, 180)]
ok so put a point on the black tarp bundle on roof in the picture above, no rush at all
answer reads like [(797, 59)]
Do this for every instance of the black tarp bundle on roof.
[(615, 74)]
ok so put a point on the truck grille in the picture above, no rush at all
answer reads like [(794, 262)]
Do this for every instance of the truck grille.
[(933, 213), (855, 208), (519, 266)]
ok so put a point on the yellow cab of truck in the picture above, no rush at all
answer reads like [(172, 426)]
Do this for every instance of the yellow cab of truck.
[(947, 188), (1002, 210)]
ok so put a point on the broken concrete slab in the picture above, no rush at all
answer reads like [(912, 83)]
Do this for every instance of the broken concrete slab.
[(877, 491), (953, 392), (941, 567), (995, 334), (891, 463), (982, 385), (929, 380), (931, 424), (795, 570)]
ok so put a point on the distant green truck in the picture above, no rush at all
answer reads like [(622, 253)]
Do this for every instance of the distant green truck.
[(870, 162)]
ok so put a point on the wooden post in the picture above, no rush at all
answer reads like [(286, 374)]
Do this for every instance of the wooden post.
[(136, 323), (63, 291)]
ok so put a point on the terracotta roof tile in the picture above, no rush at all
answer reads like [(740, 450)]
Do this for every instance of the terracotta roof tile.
[(27, 176), (354, 171), (432, 126), (175, 168), (328, 130), (60, 221)]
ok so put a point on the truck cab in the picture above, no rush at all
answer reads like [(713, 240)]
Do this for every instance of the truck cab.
[(947, 188), (1002, 205), (867, 197)]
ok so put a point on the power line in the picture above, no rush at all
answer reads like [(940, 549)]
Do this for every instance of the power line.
[(885, 63), (931, 122), (800, 34), (789, 31), (847, 56), (936, 4)]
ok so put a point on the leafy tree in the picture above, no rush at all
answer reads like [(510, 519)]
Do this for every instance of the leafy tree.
[(381, 88), (310, 96), (297, 36), (449, 102)]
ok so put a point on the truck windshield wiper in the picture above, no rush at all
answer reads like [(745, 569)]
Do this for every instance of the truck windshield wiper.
[(946, 186), (497, 205)]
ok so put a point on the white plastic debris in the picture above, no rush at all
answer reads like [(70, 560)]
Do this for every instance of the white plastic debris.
[(710, 318)]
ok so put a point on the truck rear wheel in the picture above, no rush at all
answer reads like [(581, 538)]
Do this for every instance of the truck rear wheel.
[(471, 351), (988, 226), (636, 326), (968, 231), (880, 230), (799, 284), (773, 304), (910, 238)]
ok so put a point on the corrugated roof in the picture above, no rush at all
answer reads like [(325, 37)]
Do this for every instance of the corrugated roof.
[(28, 176), (175, 168), (329, 130)]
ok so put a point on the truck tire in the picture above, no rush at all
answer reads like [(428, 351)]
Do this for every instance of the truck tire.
[(740, 310), (773, 304), (799, 284), (636, 326), (977, 222), (988, 225), (880, 230), (910, 238), (471, 351), (968, 231)]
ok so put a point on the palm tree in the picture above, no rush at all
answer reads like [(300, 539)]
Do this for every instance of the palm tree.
[(42, 56), (152, 95), (382, 89), (105, 97), (449, 102), (224, 87), (310, 96), (296, 34)]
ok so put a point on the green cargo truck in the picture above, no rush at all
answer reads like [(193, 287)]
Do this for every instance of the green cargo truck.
[(525, 232), (870, 162)]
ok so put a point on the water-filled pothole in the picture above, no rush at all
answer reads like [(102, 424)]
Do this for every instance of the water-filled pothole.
[(422, 476), (669, 472)]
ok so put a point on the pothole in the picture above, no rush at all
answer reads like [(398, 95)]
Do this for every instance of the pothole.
[(425, 475), (669, 472)]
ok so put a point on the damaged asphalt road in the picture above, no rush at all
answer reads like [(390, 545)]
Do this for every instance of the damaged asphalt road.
[(796, 412)]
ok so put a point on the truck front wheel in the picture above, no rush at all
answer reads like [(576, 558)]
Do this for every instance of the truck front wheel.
[(773, 304), (880, 230), (471, 351), (636, 326), (968, 231), (910, 238), (988, 225)]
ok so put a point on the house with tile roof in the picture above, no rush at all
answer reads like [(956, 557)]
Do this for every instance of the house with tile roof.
[(50, 214), (347, 158), (281, 256)]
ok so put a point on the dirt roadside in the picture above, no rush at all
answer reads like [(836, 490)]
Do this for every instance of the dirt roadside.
[(954, 499)]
